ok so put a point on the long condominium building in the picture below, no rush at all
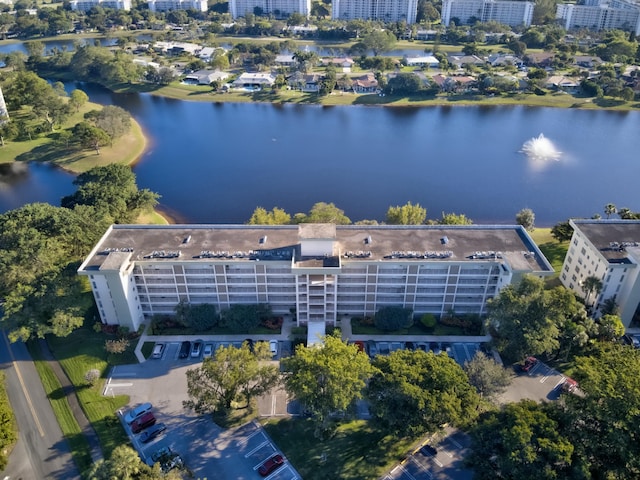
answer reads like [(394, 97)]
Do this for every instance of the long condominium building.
[(610, 251), (381, 10), (601, 15), (322, 272), (86, 5), (167, 5), (278, 8), (511, 13)]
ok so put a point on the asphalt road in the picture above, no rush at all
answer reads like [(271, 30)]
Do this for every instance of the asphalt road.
[(41, 451)]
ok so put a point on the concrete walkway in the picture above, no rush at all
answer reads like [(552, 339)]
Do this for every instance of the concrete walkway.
[(70, 392)]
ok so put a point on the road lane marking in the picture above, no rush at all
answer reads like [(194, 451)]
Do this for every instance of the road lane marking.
[(22, 385)]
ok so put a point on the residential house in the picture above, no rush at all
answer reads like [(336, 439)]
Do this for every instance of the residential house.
[(287, 60), (305, 82), (205, 77), (454, 83), (503, 59), (426, 35), (587, 61), (254, 80), (422, 61), (343, 64), (560, 82), (540, 60), (460, 60), (366, 83), (206, 54)]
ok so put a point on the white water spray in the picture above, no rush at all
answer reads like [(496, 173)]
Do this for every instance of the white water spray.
[(540, 148)]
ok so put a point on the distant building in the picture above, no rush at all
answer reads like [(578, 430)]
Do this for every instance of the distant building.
[(86, 5), (166, 5), (513, 13), (610, 251), (601, 15), (254, 80), (380, 10), (322, 272), (277, 8)]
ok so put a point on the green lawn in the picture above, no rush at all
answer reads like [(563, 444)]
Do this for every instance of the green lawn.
[(357, 451), (78, 353), (78, 443), (415, 329), (552, 249)]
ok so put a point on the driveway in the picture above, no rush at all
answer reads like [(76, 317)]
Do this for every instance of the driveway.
[(540, 384)]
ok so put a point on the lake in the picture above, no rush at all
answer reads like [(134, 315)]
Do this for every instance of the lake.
[(217, 162)]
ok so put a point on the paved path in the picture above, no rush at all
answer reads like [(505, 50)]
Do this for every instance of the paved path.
[(72, 398)]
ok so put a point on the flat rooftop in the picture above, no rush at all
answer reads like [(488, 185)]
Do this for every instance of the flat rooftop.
[(229, 243), (612, 238)]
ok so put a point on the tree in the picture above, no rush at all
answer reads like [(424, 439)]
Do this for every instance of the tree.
[(90, 136), (404, 84), (526, 218), (523, 440), (276, 216), (415, 392), (591, 285), (243, 318), (201, 317), (379, 41), (604, 422), (393, 318), (233, 375), (562, 231), (125, 464), (77, 99), (454, 219), (406, 215), (323, 212), (610, 327), (116, 346), (326, 379), (527, 320), (610, 209), (115, 121), (488, 377)]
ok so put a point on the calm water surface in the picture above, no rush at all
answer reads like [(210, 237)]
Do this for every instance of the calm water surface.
[(217, 162)]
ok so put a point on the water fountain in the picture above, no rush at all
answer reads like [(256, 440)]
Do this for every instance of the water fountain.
[(541, 149)]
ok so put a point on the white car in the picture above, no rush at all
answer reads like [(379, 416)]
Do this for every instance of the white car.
[(208, 350), (137, 412), (273, 346)]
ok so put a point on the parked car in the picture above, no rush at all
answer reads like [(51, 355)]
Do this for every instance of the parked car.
[(528, 364), (158, 350), (208, 350), (270, 465), (196, 350), (152, 432), (361, 346), (273, 346), (137, 412), (428, 450), (163, 453), (249, 342), (143, 422), (174, 461), (184, 349)]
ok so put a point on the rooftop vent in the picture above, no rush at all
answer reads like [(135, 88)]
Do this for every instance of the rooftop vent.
[(263, 240), (187, 239), (444, 240), (368, 240)]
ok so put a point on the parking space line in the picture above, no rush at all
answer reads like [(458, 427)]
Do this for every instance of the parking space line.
[(455, 442), (247, 455), (252, 435), (273, 405)]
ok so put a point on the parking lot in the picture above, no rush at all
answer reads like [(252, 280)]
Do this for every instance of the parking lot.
[(540, 383), (461, 352), (447, 463), (206, 449)]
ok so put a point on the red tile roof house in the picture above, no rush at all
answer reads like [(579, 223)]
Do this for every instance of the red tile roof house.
[(366, 83)]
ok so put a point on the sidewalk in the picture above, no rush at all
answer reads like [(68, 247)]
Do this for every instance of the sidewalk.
[(74, 404)]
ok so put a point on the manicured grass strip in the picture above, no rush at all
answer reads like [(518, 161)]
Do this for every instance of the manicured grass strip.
[(9, 428), (78, 353), (356, 451), (552, 249), (80, 449)]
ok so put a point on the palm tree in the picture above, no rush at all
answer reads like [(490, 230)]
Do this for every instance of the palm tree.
[(590, 285), (610, 209)]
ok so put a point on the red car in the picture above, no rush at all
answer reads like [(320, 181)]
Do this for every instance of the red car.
[(529, 363), (270, 465), (143, 422)]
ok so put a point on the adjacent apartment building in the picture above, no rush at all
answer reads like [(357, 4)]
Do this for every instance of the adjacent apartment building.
[(277, 8), (511, 13), (600, 15), (381, 10), (167, 5), (86, 5), (610, 251), (320, 272)]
